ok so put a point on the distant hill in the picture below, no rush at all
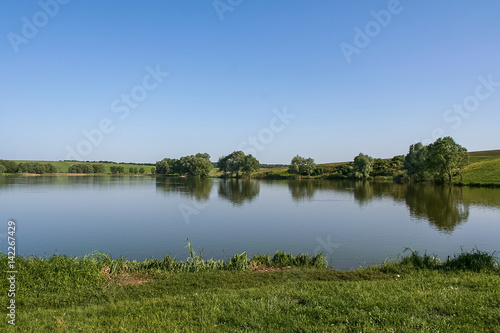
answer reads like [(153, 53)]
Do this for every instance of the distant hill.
[(485, 153)]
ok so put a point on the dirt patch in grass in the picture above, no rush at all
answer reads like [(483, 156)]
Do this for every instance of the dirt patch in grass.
[(264, 268), (126, 279), (122, 279)]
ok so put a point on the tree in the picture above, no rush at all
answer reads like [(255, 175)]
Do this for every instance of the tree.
[(153, 171), (237, 162), (193, 165), (98, 168), (2, 169), (10, 166), (294, 168), (33, 167), (166, 166), (117, 170), (363, 165), (302, 166), (250, 164), (81, 168), (141, 171), (447, 158), (416, 161)]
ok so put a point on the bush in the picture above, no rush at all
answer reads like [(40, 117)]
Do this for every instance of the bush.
[(117, 170), (34, 167), (474, 261)]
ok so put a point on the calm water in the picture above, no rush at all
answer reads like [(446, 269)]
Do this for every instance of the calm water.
[(353, 223)]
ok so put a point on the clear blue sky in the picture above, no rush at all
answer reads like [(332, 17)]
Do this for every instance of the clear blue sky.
[(65, 70)]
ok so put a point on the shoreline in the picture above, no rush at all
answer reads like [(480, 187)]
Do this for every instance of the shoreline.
[(259, 177)]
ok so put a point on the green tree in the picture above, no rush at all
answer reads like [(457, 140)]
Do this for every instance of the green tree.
[(166, 166), (10, 166), (302, 166), (416, 161), (153, 171), (250, 164), (117, 169), (363, 165), (98, 168), (447, 158), (193, 165), (3, 169), (141, 171), (237, 162)]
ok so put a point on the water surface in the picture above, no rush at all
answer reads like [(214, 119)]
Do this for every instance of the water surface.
[(353, 223)]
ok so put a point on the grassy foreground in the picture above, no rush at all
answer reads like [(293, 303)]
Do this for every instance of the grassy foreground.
[(416, 294)]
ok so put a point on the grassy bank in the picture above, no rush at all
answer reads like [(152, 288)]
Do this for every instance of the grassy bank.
[(417, 294), (483, 170)]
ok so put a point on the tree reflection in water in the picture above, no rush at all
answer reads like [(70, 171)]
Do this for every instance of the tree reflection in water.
[(190, 187), (239, 191)]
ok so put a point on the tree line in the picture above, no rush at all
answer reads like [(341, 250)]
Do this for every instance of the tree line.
[(192, 165), (26, 167), (235, 164), (86, 168), (439, 161)]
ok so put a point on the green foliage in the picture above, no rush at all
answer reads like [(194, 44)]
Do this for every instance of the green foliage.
[(440, 160), (471, 261), (165, 166), (363, 165), (10, 166), (3, 169), (34, 167), (117, 170), (133, 170), (475, 261), (447, 158), (237, 162), (98, 168), (82, 168), (193, 165), (141, 171), (262, 260), (239, 262), (421, 262), (302, 166)]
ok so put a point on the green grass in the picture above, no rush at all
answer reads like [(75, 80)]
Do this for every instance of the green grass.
[(415, 294), (482, 170)]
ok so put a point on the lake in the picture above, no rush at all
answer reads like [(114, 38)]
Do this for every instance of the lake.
[(352, 222)]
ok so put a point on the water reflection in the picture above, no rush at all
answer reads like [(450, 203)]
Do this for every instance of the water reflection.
[(239, 191), (442, 206), (301, 190), (191, 188)]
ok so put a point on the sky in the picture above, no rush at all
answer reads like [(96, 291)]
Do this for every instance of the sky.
[(138, 81)]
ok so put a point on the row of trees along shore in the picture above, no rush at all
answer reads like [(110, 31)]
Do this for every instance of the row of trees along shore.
[(26, 167), (439, 161), (235, 164)]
